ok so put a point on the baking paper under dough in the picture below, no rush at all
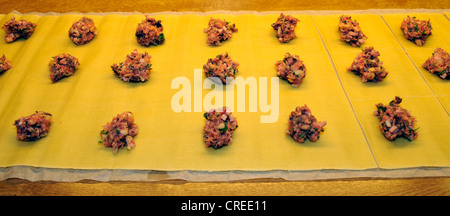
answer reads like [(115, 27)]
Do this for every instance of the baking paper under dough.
[(83, 103)]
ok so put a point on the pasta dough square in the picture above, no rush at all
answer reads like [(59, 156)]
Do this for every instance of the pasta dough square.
[(169, 140), (404, 80), (430, 149), (401, 71), (440, 31)]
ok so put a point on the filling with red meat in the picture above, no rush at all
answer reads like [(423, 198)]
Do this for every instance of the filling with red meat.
[(33, 127), (5, 64), (285, 27), (291, 69), (62, 65), (368, 66), (221, 67), (150, 32), (416, 30), (219, 127), (18, 29), (83, 31), (135, 68), (439, 63), (219, 31), (396, 121), (351, 31), (303, 125), (120, 132)]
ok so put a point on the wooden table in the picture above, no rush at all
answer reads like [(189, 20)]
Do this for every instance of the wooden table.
[(432, 186)]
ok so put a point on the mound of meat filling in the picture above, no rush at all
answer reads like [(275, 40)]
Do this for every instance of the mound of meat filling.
[(82, 31), (416, 30), (285, 27), (5, 64), (368, 66), (33, 127), (18, 29), (220, 68), (291, 69), (303, 125), (219, 127), (396, 121), (120, 132), (351, 31), (219, 31), (149, 32), (135, 68), (439, 63), (62, 65)]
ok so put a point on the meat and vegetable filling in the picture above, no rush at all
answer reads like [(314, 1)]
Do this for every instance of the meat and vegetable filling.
[(416, 30), (285, 27), (62, 65), (291, 69), (368, 66), (5, 64), (351, 31), (303, 125), (219, 127), (83, 31), (18, 29), (120, 132), (135, 68), (218, 31), (439, 63), (33, 127), (220, 68), (150, 32), (396, 121)]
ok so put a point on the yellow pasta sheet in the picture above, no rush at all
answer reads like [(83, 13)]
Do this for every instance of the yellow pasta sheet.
[(170, 140), (431, 148), (167, 140), (440, 38)]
